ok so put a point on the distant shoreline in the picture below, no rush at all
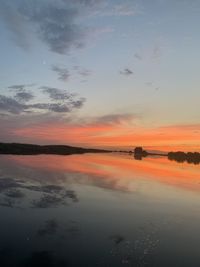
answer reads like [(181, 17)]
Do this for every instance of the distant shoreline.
[(139, 153), (30, 149)]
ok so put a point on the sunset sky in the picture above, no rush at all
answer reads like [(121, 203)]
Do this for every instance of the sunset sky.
[(101, 73)]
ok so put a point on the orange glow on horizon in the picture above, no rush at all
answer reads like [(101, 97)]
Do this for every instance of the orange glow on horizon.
[(113, 135)]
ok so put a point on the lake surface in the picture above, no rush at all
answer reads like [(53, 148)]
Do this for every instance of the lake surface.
[(98, 210)]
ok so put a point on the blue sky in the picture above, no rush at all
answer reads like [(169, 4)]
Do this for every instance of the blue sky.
[(119, 57)]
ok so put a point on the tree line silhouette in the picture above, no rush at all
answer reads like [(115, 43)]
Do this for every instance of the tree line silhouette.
[(29, 149), (179, 156), (189, 157)]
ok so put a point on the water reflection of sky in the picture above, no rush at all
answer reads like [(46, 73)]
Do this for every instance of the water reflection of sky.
[(98, 210)]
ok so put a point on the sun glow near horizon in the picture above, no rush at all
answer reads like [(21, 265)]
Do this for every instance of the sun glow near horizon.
[(184, 137)]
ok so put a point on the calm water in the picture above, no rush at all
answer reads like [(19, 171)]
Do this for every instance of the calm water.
[(98, 210)]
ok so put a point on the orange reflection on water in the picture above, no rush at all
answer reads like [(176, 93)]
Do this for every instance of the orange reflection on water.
[(123, 168)]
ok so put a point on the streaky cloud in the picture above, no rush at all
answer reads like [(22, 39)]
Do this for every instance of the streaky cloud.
[(24, 96), (57, 94), (63, 73), (126, 72)]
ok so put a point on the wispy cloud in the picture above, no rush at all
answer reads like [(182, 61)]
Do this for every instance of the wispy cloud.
[(153, 51), (125, 9), (20, 87), (156, 52), (57, 94), (126, 72), (120, 9), (56, 23), (138, 56), (82, 71), (63, 73), (9, 104), (114, 119), (22, 94)]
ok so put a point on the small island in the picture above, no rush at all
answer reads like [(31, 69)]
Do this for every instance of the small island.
[(189, 157), (179, 156), (140, 153)]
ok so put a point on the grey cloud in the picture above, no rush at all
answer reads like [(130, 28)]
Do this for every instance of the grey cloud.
[(20, 87), (111, 119), (57, 28), (21, 93), (57, 94), (126, 72), (78, 103), (116, 118), (123, 10), (55, 107), (82, 71), (24, 96), (17, 86), (9, 104), (152, 53), (138, 56), (86, 2), (62, 95), (120, 9), (61, 101), (58, 107), (63, 73), (54, 23), (156, 53)]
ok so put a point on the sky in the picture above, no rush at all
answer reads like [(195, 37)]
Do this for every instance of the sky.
[(101, 73)]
